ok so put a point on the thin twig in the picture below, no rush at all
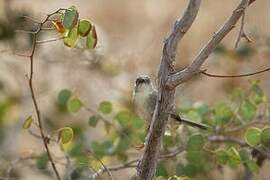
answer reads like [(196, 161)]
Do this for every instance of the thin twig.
[(105, 168), (242, 32), (47, 29), (194, 68), (31, 73), (133, 163), (246, 125), (49, 40), (234, 76), (222, 139)]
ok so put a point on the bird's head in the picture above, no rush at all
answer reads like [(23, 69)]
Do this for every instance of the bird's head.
[(143, 83)]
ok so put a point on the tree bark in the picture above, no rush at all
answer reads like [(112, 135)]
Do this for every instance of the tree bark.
[(169, 79), (165, 103)]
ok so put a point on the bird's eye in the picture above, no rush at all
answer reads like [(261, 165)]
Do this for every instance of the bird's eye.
[(138, 81)]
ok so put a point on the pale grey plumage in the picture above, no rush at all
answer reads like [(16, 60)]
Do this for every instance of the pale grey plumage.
[(145, 98)]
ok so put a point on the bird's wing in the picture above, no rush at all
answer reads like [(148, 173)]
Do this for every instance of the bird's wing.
[(152, 101)]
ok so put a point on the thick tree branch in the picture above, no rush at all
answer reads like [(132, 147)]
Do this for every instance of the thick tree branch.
[(194, 68), (165, 103)]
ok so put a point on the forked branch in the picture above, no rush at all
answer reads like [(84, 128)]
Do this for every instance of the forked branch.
[(147, 166), (34, 99), (168, 80), (194, 68)]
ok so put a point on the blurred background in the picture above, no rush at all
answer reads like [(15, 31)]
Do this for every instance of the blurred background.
[(130, 39)]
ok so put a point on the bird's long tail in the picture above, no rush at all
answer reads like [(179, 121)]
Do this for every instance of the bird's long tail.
[(189, 123)]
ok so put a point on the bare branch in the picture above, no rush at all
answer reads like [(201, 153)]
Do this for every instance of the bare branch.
[(257, 121), (242, 32), (34, 99), (234, 76), (132, 163), (222, 139), (165, 103), (49, 40), (180, 28), (105, 168), (194, 68)]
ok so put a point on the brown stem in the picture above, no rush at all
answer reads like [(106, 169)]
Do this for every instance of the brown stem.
[(40, 123), (234, 76)]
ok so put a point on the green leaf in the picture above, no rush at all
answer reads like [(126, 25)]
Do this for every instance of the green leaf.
[(137, 122), (191, 169), (221, 157), (71, 39), (252, 166), (91, 40), (84, 28), (74, 105), (257, 95), (42, 161), (223, 113), (63, 97), (253, 136), (195, 156), (234, 157), (265, 137), (244, 154), (93, 120), (101, 149), (247, 110), (27, 123), (65, 135), (105, 107), (122, 144), (70, 18), (123, 117), (195, 142)]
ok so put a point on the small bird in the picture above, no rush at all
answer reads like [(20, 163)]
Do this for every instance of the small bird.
[(145, 98)]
